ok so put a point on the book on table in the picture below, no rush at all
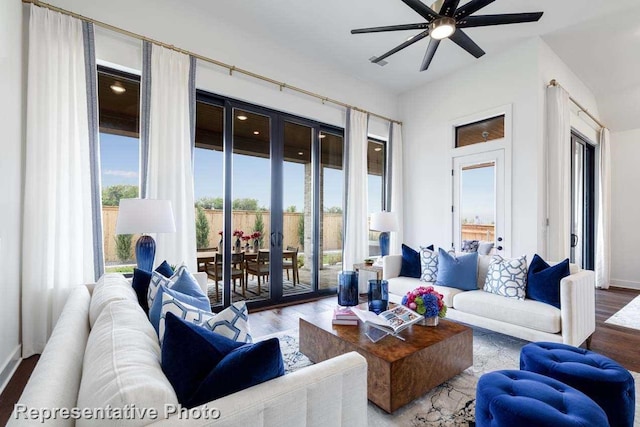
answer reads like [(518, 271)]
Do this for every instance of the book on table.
[(391, 321), (344, 316)]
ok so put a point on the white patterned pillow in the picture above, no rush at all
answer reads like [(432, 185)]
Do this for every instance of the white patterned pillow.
[(232, 322), (428, 264), (507, 277), (158, 279)]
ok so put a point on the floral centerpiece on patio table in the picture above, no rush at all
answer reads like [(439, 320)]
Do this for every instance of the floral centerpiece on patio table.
[(256, 240), (426, 301)]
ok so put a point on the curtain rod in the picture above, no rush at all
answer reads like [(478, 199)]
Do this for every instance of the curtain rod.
[(232, 68), (554, 82)]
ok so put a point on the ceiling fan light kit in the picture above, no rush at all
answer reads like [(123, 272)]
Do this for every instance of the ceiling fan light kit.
[(447, 23)]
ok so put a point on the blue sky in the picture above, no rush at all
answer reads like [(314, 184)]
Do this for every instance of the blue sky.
[(251, 175), (477, 194)]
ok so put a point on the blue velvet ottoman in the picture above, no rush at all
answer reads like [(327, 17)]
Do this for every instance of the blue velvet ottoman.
[(521, 398), (606, 382)]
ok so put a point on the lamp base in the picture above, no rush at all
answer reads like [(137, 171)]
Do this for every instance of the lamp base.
[(384, 243), (145, 252)]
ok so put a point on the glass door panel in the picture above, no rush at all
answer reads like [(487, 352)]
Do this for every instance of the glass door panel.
[(250, 206), (297, 227), (582, 202), (332, 203)]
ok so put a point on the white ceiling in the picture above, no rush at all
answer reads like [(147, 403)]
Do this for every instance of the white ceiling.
[(598, 39)]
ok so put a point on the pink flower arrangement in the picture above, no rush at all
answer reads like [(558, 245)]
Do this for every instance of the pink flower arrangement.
[(238, 233), (426, 301), (256, 235), (246, 238)]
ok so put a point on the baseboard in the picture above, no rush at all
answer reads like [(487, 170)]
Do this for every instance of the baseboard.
[(9, 367), (629, 284)]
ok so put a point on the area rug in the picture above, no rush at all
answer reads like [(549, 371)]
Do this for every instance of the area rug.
[(628, 316), (451, 404)]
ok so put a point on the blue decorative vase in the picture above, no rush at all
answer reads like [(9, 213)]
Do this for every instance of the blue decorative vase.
[(348, 288), (384, 243), (145, 252), (378, 296)]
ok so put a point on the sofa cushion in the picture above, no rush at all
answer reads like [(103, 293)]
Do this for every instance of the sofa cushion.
[(483, 268), (232, 322), (527, 313), (110, 287), (203, 365), (507, 277), (543, 280), (401, 285), (410, 262), (484, 248), (470, 246), (142, 278), (457, 272), (122, 364), (428, 264)]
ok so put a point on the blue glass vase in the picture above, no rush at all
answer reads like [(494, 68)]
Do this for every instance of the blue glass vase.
[(378, 296), (348, 288)]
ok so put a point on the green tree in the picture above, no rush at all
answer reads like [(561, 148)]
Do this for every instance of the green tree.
[(209, 202), (123, 247), (258, 225), (333, 209), (111, 195), (301, 230), (291, 209), (202, 229), (245, 205)]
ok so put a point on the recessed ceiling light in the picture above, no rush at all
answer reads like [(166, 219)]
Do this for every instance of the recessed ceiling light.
[(300, 153), (377, 149), (255, 132), (322, 135), (241, 117), (117, 88)]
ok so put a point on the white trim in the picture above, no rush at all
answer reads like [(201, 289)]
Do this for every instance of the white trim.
[(9, 367), (628, 284)]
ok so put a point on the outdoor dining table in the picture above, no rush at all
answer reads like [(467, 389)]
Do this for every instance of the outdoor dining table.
[(205, 257)]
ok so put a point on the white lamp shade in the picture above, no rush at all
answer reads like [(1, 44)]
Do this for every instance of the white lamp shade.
[(384, 221), (137, 216)]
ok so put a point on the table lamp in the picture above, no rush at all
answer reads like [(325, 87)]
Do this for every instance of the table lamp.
[(384, 222), (145, 216)]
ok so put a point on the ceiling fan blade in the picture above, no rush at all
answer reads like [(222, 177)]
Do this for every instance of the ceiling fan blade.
[(507, 18), (428, 55), (465, 42), (449, 7), (423, 10), (420, 26), (472, 7), (401, 46)]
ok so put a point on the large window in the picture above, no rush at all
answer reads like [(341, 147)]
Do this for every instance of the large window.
[(376, 161), (119, 115)]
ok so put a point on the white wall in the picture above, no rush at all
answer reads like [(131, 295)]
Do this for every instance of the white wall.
[(625, 208), (428, 114), (188, 27), (11, 114)]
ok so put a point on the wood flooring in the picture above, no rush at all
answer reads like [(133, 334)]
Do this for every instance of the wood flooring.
[(616, 342)]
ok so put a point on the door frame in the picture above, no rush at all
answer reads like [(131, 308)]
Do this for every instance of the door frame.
[(589, 199), (504, 144)]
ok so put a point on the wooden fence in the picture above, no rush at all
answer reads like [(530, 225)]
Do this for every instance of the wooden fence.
[(241, 220), (478, 232)]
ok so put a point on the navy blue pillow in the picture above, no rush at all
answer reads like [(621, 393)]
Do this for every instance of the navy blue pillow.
[(141, 280), (411, 262), (543, 281), (202, 365), (460, 272)]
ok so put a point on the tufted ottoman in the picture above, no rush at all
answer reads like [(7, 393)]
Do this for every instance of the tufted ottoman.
[(603, 380), (521, 398)]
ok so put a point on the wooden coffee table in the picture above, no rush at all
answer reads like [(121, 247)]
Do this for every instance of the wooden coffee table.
[(398, 371)]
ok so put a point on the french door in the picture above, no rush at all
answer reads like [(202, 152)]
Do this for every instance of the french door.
[(479, 208), (582, 202)]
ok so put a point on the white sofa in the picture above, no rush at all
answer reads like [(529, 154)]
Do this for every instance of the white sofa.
[(117, 362), (530, 320)]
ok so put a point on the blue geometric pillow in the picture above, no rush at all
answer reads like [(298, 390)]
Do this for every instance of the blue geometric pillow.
[(543, 280), (203, 366), (189, 283), (141, 280), (199, 302), (457, 272), (507, 277), (429, 264), (411, 262)]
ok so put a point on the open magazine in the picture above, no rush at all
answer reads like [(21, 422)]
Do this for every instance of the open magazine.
[(391, 321)]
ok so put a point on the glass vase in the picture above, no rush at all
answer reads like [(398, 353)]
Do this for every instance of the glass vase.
[(348, 288), (378, 296), (429, 321)]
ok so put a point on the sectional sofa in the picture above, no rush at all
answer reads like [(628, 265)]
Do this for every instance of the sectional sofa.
[(573, 323)]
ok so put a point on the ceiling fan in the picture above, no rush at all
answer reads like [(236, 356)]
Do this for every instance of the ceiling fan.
[(447, 23)]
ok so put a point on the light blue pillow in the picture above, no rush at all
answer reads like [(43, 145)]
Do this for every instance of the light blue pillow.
[(200, 302), (457, 272)]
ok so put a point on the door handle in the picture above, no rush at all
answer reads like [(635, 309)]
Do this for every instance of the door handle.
[(574, 240), (280, 238), (273, 240), (499, 248)]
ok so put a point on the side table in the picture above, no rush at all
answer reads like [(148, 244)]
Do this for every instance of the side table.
[(373, 268)]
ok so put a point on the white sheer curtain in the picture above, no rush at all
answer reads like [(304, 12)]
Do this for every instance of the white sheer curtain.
[(396, 205), (170, 174), (356, 241), (558, 174), (603, 229), (57, 248)]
